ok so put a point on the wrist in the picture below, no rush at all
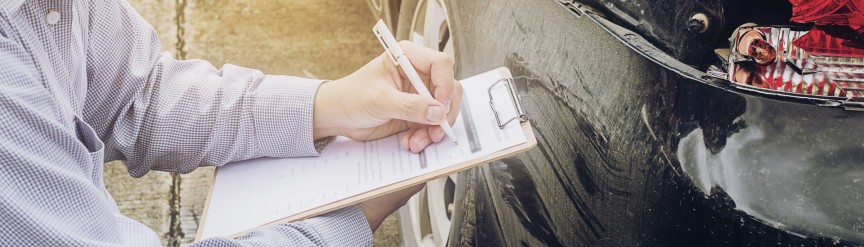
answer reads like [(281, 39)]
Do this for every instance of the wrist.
[(373, 217), (325, 112)]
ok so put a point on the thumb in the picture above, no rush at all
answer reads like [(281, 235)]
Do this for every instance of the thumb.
[(415, 108)]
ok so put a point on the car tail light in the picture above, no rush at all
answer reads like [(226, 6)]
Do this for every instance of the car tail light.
[(820, 42), (827, 60), (828, 12), (794, 71)]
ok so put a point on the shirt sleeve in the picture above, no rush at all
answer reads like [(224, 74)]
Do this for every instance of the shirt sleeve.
[(344, 227), (159, 113), (50, 181)]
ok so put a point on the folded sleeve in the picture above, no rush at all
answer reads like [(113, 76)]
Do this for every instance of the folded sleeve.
[(159, 113), (344, 227)]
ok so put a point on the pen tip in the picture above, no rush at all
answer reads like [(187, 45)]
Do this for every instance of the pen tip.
[(455, 141)]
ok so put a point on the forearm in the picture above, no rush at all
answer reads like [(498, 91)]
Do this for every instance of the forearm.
[(188, 114), (159, 113)]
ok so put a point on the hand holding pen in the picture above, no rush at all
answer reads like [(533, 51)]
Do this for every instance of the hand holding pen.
[(399, 57), (379, 100)]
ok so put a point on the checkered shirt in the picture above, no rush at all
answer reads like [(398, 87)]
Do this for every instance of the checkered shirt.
[(83, 81)]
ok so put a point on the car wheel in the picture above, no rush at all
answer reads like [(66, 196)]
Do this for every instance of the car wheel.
[(386, 10), (426, 219)]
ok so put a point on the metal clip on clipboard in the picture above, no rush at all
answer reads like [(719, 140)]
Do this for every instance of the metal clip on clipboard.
[(520, 113)]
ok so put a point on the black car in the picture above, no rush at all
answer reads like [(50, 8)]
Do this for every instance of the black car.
[(640, 142)]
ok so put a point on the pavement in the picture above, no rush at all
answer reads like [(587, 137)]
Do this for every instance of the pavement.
[(308, 38)]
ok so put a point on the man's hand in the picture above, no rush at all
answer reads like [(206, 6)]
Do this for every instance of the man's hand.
[(378, 100), (377, 209)]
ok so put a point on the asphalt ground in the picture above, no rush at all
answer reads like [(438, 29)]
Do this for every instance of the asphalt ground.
[(320, 39)]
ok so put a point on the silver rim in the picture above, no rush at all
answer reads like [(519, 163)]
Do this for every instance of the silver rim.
[(425, 219), (377, 6), (431, 27)]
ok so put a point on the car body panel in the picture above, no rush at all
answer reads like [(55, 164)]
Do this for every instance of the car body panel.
[(619, 135), (665, 23)]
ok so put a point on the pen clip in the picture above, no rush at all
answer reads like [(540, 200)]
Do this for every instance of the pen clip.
[(386, 48)]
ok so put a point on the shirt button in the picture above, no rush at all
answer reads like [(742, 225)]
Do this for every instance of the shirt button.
[(53, 17)]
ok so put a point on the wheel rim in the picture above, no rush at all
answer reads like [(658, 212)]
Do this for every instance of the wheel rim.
[(431, 27), (377, 5), (425, 219)]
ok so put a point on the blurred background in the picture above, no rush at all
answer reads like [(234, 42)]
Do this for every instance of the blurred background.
[(316, 39)]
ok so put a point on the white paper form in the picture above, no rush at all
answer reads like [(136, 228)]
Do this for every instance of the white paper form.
[(252, 193)]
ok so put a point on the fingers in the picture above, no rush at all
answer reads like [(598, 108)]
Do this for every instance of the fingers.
[(378, 208), (419, 136), (411, 191), (405, 139), (439, 67), (419, 140), (435, 133), (413, 108), (424, 114)]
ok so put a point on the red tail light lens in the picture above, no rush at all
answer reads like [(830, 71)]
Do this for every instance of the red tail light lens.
[(828, 12)]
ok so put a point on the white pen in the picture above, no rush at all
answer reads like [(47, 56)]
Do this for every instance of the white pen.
[(398, 56)]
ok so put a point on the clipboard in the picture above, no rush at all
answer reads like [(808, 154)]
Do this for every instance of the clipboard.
[(530, 142)]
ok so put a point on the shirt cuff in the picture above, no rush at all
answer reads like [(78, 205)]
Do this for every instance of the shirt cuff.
[(343, 227), (282, 114)]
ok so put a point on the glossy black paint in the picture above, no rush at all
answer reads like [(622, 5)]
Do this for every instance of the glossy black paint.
[(610, 125), (664, 23)]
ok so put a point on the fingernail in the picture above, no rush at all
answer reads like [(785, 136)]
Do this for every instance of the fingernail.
[(439, 132), (424, 143), (434, 114)]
